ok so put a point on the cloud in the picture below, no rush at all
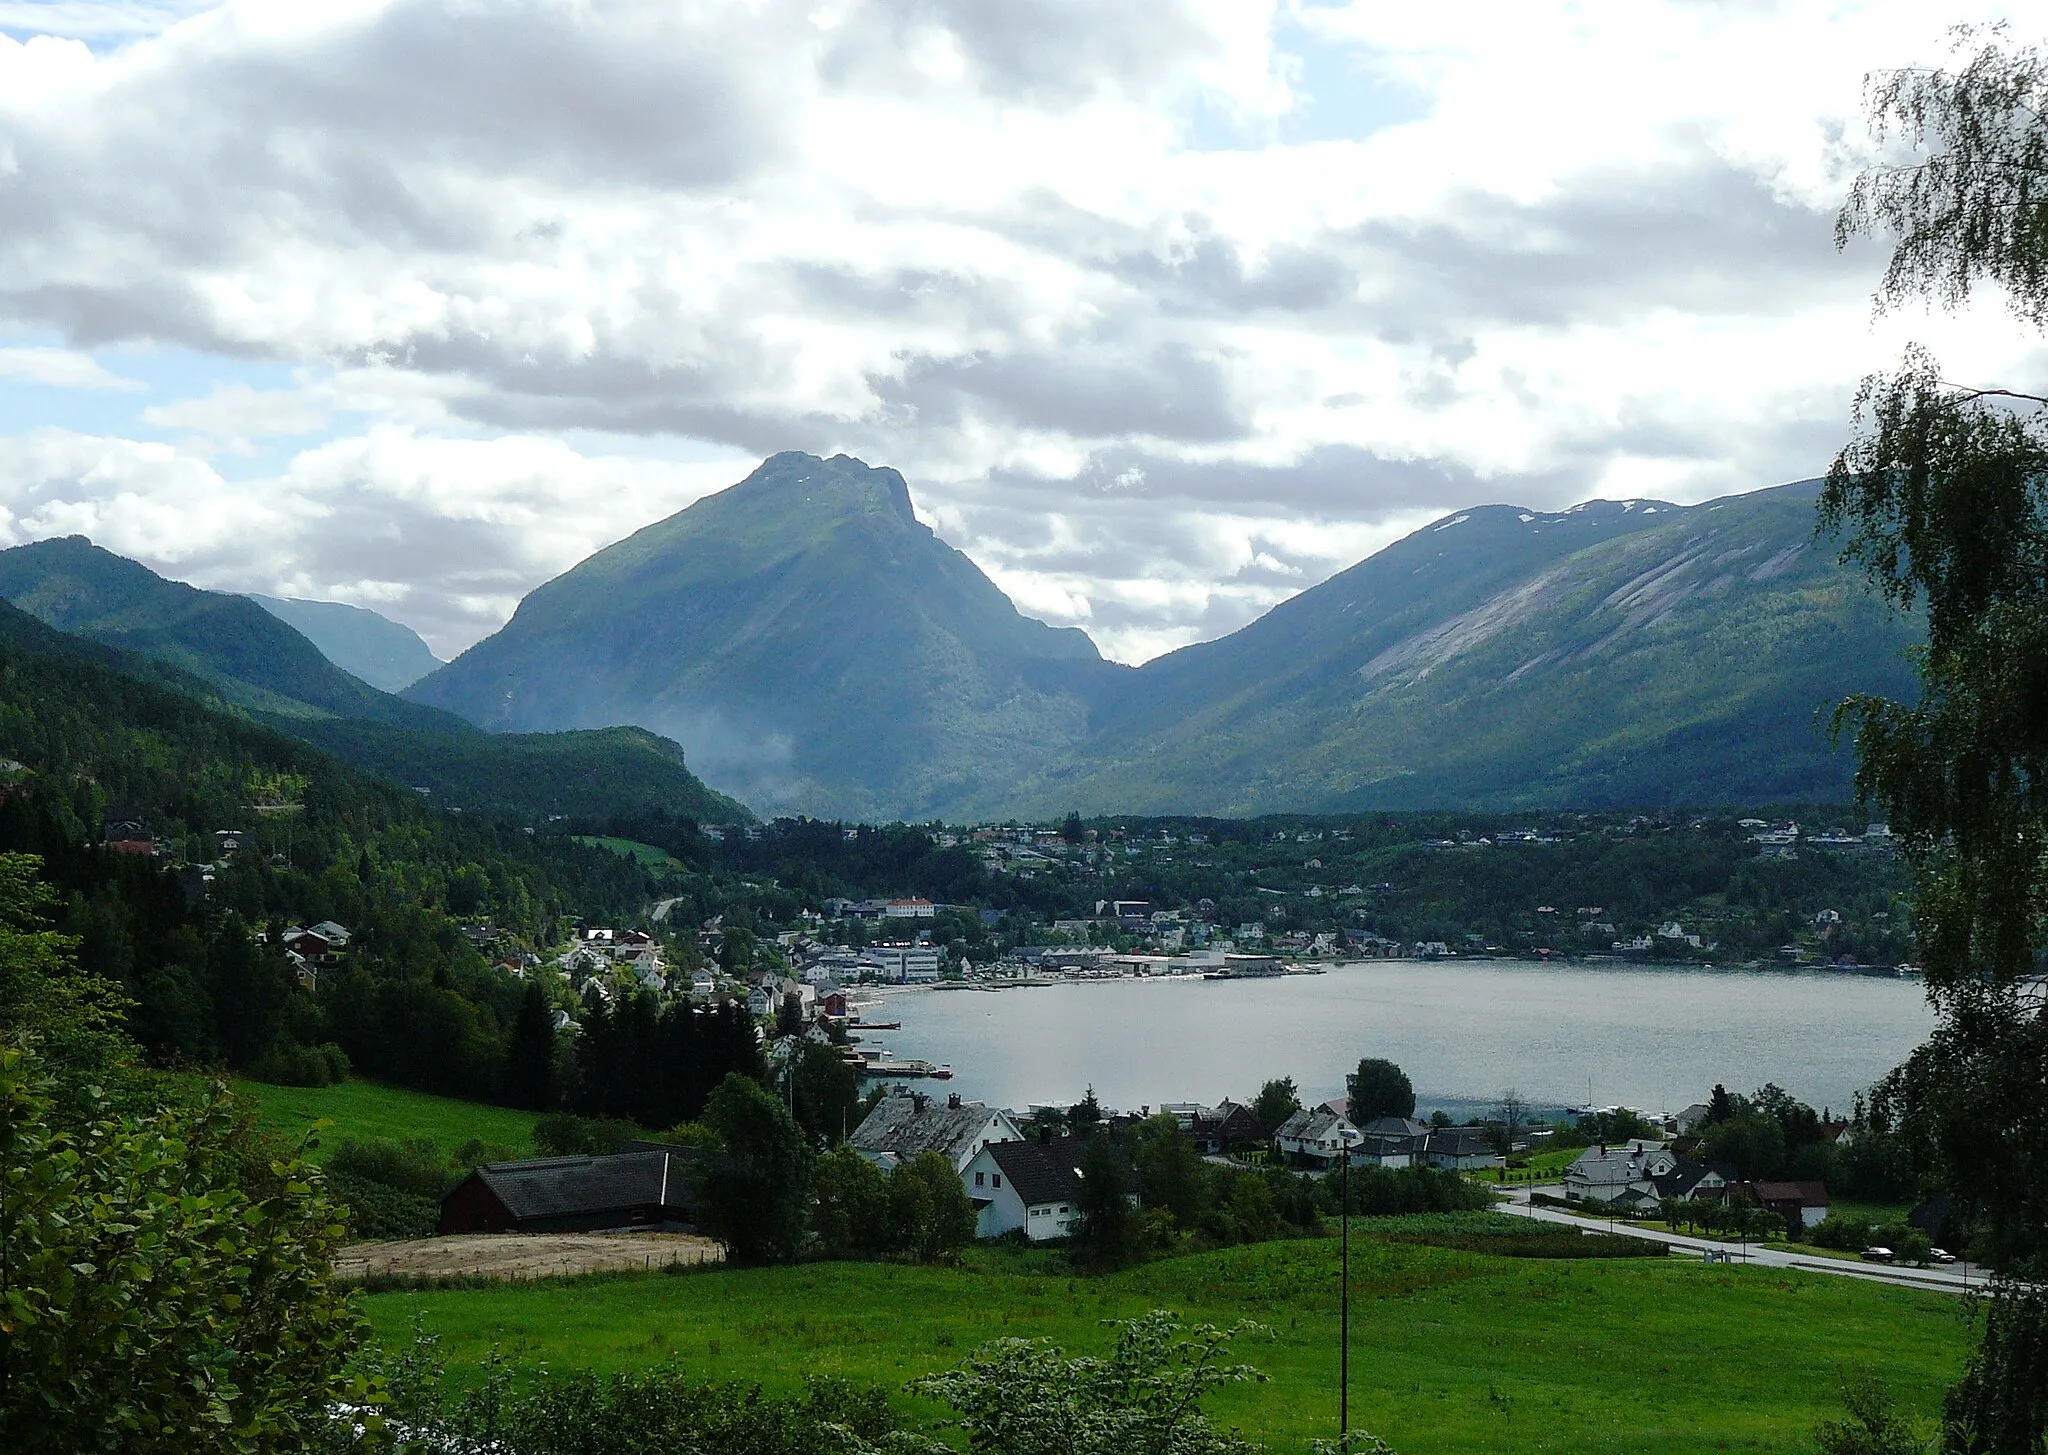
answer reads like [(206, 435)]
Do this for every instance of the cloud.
[(60, 369), (1148, 345)]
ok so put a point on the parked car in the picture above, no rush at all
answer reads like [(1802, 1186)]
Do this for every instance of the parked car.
[(1877, 1255), (1940, 1255)]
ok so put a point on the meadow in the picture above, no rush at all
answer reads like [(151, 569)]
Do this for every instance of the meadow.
[(1451, 1350), (364, 1109)]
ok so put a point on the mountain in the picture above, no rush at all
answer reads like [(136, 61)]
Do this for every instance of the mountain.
[(811, 643), (248, 656), (1613, 654), (819, 650), (229, 649), (380, 651)]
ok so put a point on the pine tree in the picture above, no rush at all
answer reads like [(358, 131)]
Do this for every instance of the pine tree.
[(530, 1079)]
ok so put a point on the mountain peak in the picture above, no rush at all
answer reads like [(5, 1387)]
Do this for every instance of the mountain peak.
[(841, 480)]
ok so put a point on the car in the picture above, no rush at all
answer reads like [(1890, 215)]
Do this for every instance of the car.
[(1877, 1255), (1940, 1255)]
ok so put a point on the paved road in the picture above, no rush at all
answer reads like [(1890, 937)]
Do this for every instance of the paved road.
[(1956, 1278)]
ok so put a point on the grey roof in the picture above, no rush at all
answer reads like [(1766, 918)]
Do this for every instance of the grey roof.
[(553, 1187), (1616, 1164), (1042, 1172), (898, 1128), (1684, 1179), (1394, 1128), (1461, 1142)]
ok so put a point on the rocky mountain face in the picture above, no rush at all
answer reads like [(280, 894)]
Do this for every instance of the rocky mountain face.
[(811, 643), (1614, 654), (384, 653), (818, 650)]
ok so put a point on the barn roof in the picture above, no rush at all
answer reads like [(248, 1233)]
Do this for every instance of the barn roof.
[(554, 1187)]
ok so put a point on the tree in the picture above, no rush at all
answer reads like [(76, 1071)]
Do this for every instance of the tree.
[(931, 1217), (851, 1214), (1171, 1170), (1109, 1232), (1379, 1088), (1072, 830), (531, 1080), (1085, 1115), (149, 1300), (1751, 1141), (1512, 1114), (1943, 495), (754, 1192), (1276, 1102), (827, 1094)]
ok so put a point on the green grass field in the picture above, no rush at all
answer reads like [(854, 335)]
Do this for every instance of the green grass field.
[(1451, 1351), (653, 856), (363, 1109)]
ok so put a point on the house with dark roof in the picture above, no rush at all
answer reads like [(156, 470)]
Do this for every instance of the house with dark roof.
[(1800, 1204), (1623, 1174), (648, 1187), (1462, 1149), (1314, 1137), (1692, 1181), (1031, 1185), (902, 1126), (1391, 1142)]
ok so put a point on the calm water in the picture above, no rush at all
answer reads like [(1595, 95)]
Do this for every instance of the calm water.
[(1655, 1039)]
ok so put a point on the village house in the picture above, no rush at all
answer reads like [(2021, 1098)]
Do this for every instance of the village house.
[(1619, 1174), (1462, 1149), (1391, 1142), (1692, 1181), (1316, 1136), (1800, 1204), (1035, 1186), (902, 1126)]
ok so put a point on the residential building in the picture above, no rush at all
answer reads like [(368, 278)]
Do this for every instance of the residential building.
[(902, 1126), (1314, 1135), (1619, 1173), (1799, 1203), (1462, 1149), (1692, 1181), (1035, 1186), (1391, 1142)]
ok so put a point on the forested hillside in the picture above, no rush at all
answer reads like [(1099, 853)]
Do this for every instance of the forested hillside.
[(232, 651), (413, 1000)]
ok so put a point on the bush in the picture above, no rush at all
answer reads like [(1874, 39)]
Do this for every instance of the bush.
[(290, 1064), (378, 1210), (1385, 1191), (414, 1165), (1841, 1232)]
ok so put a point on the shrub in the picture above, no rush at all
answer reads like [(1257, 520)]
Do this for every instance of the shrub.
[(290, 1064), (1841, 1232), (413, 1166), (1386, 1191), (378, 1210)]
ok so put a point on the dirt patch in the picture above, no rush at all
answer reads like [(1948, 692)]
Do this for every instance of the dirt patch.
[(522, 1255)]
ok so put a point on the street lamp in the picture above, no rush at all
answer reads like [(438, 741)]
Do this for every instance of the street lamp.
[(1347, 1138)]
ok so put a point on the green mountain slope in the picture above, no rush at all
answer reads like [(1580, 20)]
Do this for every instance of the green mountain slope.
[(1615, 654), (380, 651), (248, 656), (231, 650), (812, 644)]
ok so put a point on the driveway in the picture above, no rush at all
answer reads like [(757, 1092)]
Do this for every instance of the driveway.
[(1957, 1278)]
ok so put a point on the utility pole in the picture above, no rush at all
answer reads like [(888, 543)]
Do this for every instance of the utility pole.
[(1345, 1138)]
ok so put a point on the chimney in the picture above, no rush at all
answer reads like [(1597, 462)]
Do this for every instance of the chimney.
[(952, 1101), (919, 1101)]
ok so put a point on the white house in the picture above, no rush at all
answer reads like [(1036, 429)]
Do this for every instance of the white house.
[(1315, 1134), (1391, 1142), (1619, 1172), (1462, 1149), (1035, 1186), (902, 1126)]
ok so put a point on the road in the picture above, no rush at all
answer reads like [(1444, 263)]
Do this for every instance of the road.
[(1958, 1278)]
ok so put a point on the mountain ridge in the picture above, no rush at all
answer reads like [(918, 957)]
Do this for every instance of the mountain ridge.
[(1498, 655), (366, 644)]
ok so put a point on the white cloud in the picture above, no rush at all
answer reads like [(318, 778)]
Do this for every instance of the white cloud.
[(646, 241), (59, 368)]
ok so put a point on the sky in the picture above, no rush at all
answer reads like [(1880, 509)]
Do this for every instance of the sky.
[(1166, 311)]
